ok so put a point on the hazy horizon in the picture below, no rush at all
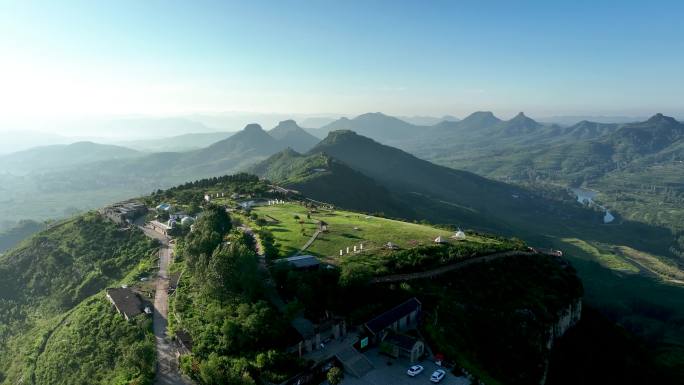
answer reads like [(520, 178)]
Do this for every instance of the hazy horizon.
[(81, 61), (123, 128)]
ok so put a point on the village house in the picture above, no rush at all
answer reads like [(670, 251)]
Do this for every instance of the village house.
[(161, 228), (400, 318), (402, 345), (126, 302), (124, 212), (302, 262)]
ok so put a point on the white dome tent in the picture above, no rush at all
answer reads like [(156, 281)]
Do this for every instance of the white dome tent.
[(459, 235)]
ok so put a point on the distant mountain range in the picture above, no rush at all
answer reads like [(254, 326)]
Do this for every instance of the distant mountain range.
[(14, 140), (428, 120), (588, 151), (41, 159), (49, 182), (179, 143), (516, 150)]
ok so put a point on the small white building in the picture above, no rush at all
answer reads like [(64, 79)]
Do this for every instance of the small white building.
[(160, 227)]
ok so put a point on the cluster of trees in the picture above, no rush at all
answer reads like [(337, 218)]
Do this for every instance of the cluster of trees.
[(192, 193), (221, 302), (496, 316), (409, 260), (356, 270), (317, 291)]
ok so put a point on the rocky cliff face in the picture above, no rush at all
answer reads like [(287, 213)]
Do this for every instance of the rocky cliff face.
[(567, 318)]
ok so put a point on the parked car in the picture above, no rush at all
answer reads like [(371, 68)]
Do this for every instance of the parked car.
[(437, 376), (415, 370)]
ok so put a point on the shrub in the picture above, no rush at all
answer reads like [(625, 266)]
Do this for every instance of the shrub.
[(335, 375)]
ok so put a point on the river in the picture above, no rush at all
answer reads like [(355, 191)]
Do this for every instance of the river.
[(586, 196)]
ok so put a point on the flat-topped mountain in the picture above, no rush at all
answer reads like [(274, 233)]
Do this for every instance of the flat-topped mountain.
[(293, 136), (375, 125)]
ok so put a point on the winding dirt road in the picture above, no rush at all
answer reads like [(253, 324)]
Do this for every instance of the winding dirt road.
[(167, 368)]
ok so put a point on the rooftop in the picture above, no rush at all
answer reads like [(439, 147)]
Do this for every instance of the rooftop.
[(126, 301), (302, 261), (387, 318), (184, 338), (401, 340)]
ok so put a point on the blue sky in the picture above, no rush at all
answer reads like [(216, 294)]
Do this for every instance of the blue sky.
[(400, 57)]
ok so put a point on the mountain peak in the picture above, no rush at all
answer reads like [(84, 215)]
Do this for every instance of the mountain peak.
[(522, 118), (291, 135), (253, 127), (342, 134), (482, 114), (372, 115), (662, 119), (287, 125), (481, 119)]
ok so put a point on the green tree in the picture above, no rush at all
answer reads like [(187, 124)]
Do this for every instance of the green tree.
[(335, 375)]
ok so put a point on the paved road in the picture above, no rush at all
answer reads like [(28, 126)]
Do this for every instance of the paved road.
[(395, 374), (167, 370)]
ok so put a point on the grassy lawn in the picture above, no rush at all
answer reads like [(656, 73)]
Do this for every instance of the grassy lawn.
[(345, 229), (604, 257)]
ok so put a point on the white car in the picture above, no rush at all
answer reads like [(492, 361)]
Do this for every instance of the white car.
[(437, 376), (415, 370)]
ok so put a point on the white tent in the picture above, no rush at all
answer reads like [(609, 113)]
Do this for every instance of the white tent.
[(459, 235), (440, 239)]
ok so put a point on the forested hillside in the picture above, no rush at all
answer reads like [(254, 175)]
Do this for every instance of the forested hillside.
[(51, 274), (237, 335), (95, 345)]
